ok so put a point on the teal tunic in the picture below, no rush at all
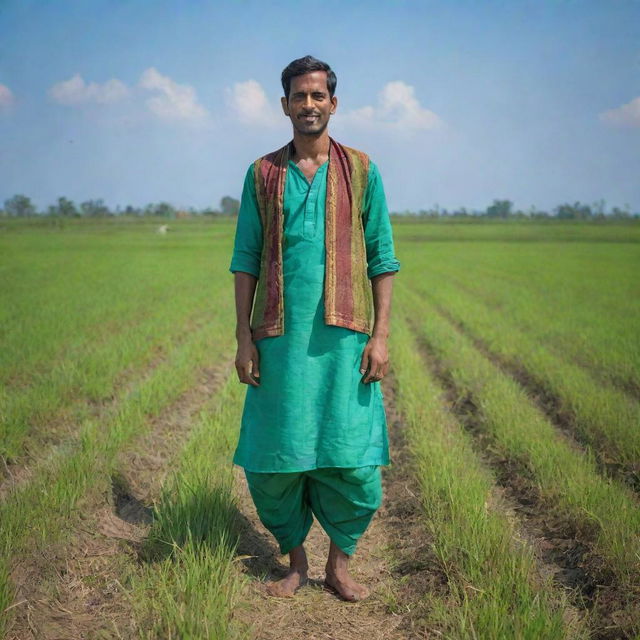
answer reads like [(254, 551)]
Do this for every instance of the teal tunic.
[(311, 409)]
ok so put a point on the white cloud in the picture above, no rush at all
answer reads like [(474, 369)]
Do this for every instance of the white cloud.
[(75, 91), (249, 103), (628, 115), (6, 97), (397, 109), (173, 101)]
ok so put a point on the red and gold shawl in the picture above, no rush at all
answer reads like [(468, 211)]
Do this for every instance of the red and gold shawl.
[(348, 296)]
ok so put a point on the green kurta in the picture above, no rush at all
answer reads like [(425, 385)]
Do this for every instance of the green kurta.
[(311, 409)]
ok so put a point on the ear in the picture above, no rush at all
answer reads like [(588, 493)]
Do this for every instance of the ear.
[(334, 102), (285, 105)]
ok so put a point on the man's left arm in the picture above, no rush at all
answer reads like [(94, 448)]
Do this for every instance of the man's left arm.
[(381, 267)]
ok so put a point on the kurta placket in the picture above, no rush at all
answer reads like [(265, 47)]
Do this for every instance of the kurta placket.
[(311, 409), (309, 223)]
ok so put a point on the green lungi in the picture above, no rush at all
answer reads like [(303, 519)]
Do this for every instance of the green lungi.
[(342, 500)]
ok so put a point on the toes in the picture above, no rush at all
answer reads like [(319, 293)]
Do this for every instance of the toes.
[(364, 593), (278, 591), (284, 588), (351, 594)]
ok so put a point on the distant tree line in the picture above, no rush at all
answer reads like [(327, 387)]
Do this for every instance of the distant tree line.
[(21, 206), (504, 209)]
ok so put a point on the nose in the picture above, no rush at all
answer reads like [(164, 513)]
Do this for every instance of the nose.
[(308, 103)]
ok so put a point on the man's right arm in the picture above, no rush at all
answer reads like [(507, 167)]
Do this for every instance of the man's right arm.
[(245, 265), (247, 357)]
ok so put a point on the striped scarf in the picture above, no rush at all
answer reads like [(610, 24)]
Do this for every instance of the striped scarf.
[(348, 296)]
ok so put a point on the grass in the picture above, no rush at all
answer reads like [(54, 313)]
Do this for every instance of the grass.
[(495, 591), (43, 509), (601, 415), (187, 586), (76, 324), (524, 435), (106, 325)]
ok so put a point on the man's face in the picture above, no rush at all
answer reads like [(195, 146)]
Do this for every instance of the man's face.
[(309, 106)]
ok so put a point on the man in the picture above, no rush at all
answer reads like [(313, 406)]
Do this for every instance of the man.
[(314, 245)]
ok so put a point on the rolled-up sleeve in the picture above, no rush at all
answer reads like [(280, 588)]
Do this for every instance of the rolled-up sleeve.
[(247, 248), (378, 234)]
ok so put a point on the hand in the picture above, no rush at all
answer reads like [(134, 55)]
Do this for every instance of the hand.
[(375, 360), (247, 362)]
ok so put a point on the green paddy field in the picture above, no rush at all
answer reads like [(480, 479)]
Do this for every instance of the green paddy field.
[(513, 405)]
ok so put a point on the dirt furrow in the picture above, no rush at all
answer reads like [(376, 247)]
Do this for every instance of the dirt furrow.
[(625, 384), (563, 547), (61, 430), (551, 406), (74, 589), (393, 558)]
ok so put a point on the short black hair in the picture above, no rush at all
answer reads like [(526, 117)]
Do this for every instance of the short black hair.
[(306, 65)]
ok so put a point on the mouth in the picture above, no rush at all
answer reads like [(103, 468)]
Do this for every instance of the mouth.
[(309, 118)]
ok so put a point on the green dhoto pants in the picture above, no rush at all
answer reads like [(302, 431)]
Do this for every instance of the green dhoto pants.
[(342, 499)]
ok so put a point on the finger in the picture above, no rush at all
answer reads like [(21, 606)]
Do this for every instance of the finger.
[(247, 377), (256, 364), (373, 369), (364, 361), (249, 380)]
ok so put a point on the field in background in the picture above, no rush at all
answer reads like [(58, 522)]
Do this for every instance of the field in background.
[(515, 395)]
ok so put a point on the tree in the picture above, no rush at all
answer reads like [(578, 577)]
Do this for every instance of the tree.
[(574, 211), (65, 208), (164, 210), (94, 208), (229, 206), (618, 213), (599, 208), (131, 211), (19, 207), (499, 209)]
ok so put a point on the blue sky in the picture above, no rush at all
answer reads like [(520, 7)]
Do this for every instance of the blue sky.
[(457, 102)]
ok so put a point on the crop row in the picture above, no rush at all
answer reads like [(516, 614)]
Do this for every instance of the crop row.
[(601, 416), (581, 308), (494, 590), (562, 479), (44, 508)]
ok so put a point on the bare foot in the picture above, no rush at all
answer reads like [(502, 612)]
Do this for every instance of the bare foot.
[(287, 586), (337, 576), (341, 582), (296, 576)]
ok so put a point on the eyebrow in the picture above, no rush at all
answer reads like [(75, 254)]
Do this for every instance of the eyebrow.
[(302, 93)]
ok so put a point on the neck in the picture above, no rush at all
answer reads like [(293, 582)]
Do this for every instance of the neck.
[(311, 147)]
